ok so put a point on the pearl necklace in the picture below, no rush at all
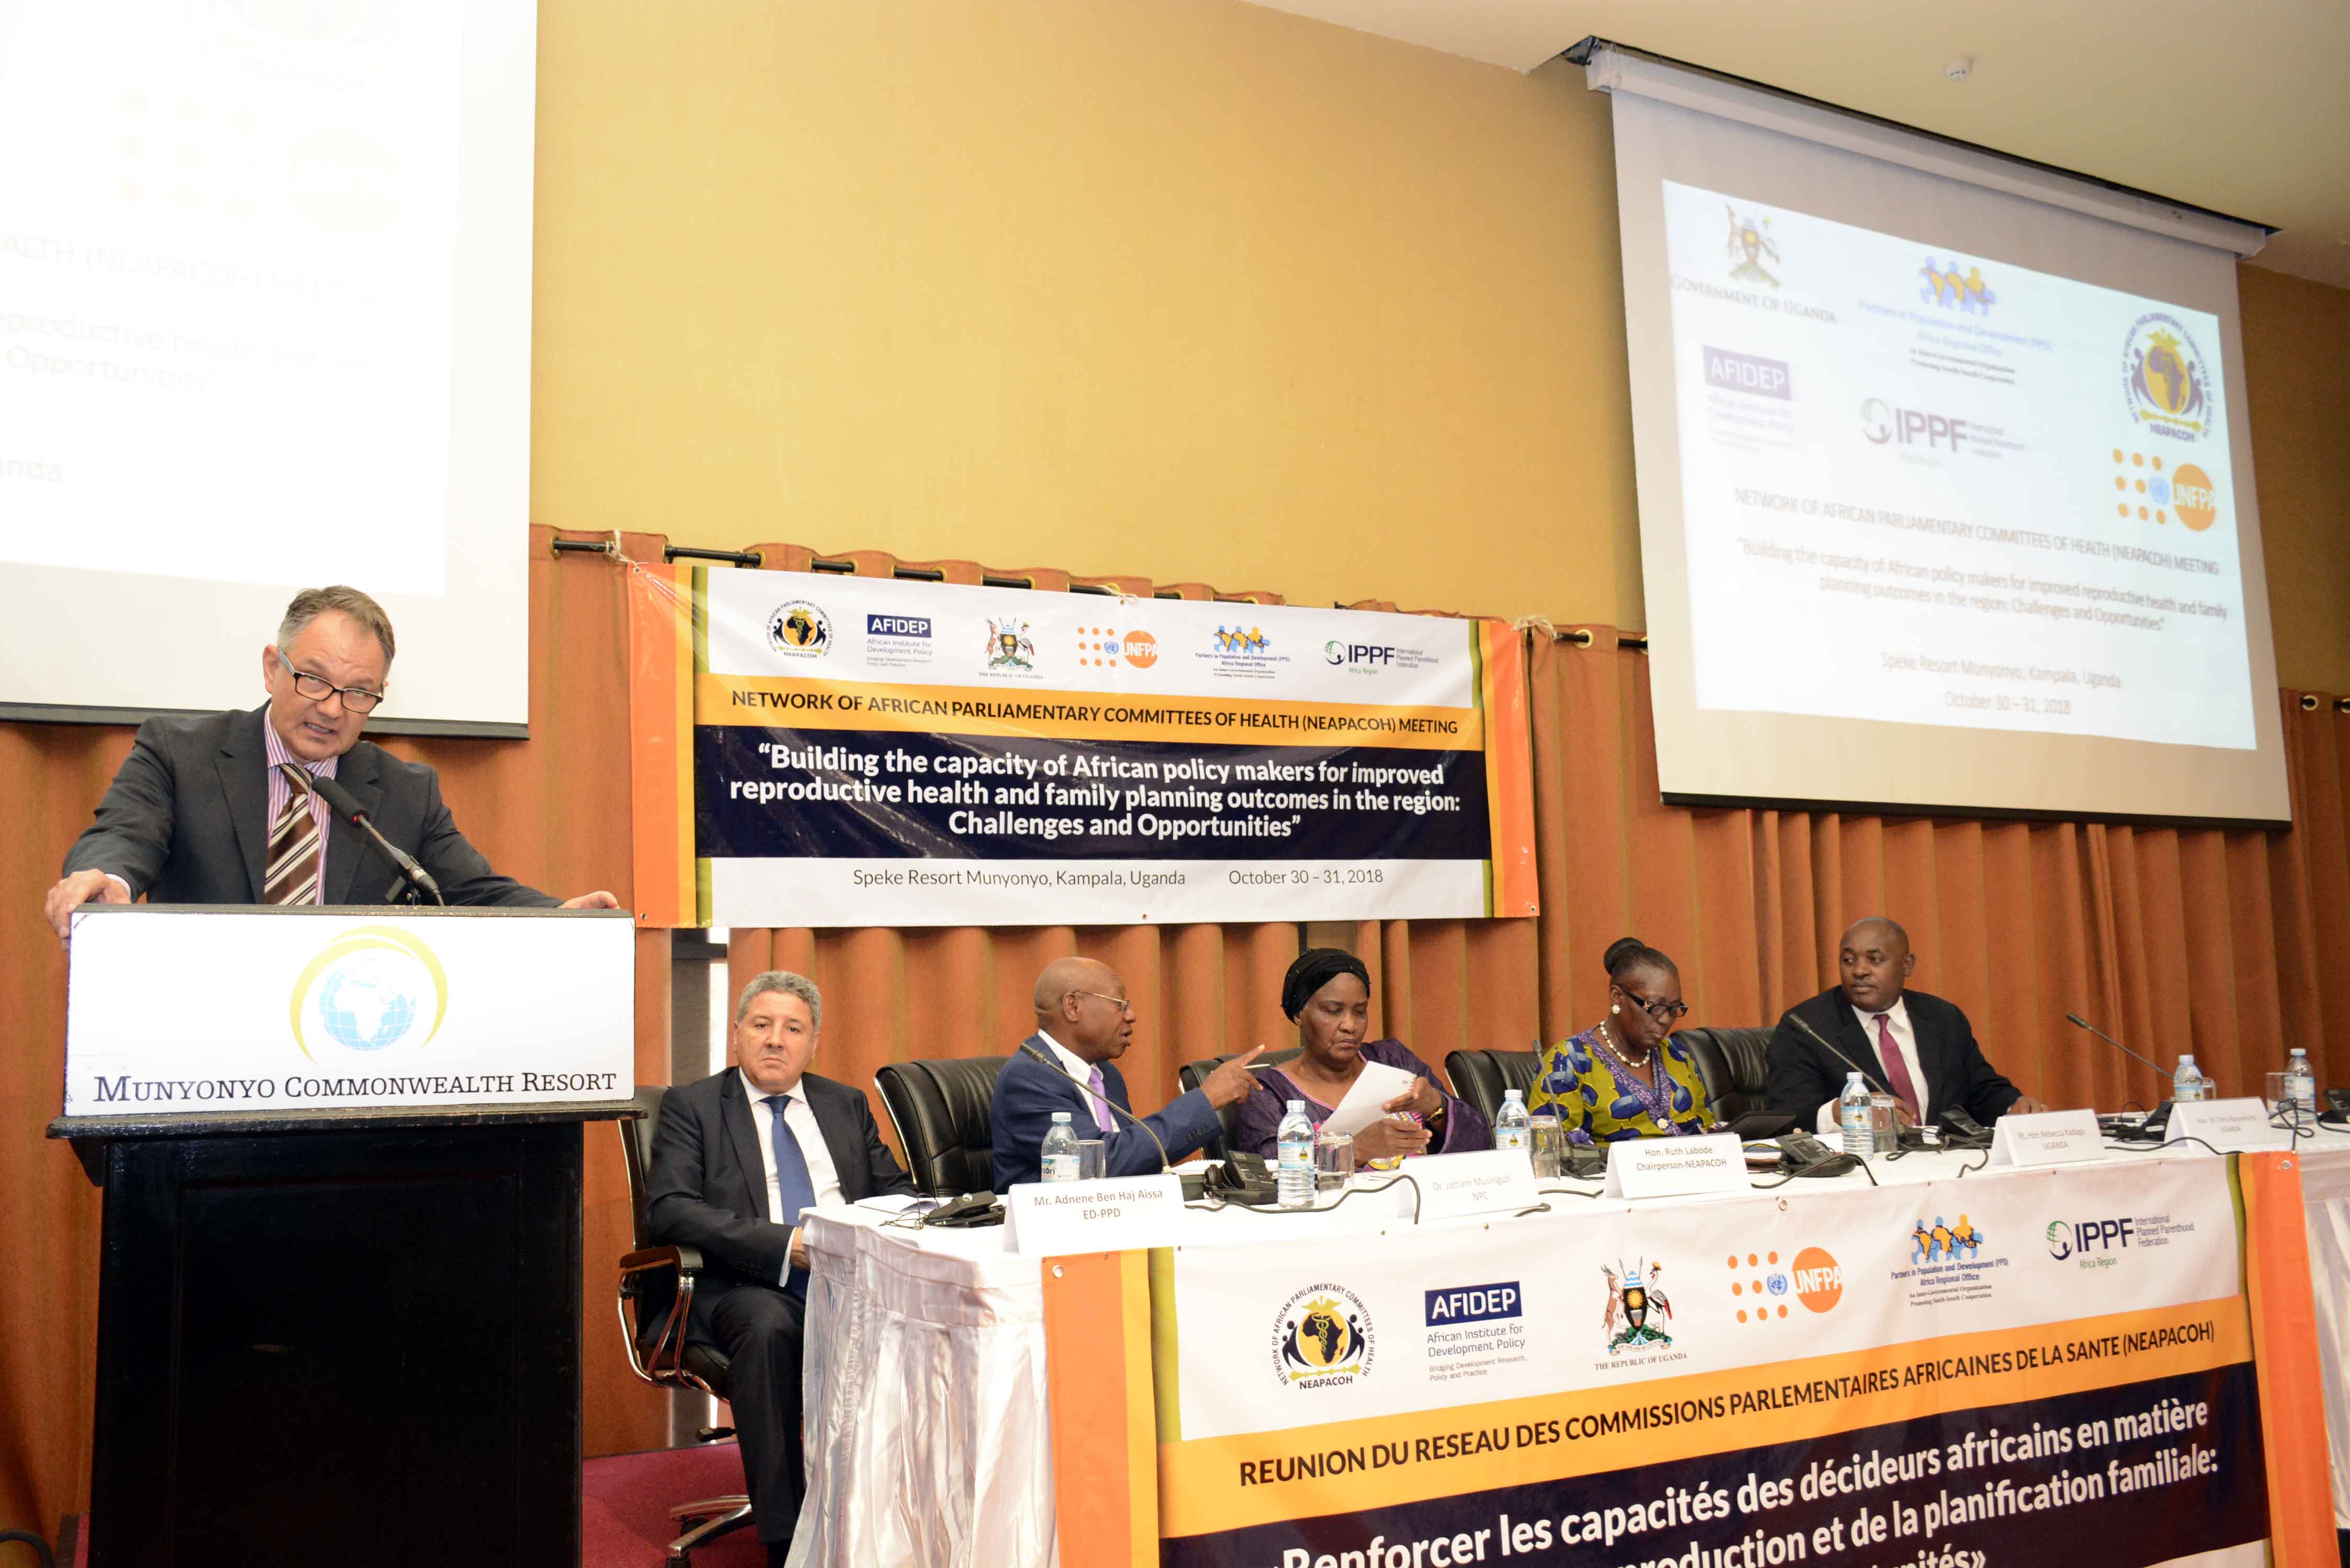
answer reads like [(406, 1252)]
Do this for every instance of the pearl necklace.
[(1653, 1099)]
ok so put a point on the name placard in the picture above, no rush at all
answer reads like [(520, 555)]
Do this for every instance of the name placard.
[(1493, 1182), (200, 1010), (1053, 1218), (2047, 1137), (1676, 1167), (2228, 1125)]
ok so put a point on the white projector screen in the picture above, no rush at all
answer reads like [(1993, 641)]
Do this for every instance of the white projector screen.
[(1945, 489), (264, 325)]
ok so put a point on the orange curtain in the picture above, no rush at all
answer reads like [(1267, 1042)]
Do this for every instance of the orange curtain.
[(2230, 944)]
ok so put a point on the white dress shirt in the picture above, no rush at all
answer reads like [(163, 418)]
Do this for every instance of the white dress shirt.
[(800, 1122), (1083, 1071), (1905, 1040)]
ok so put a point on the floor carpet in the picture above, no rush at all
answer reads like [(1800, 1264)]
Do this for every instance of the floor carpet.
[(626, 1499)]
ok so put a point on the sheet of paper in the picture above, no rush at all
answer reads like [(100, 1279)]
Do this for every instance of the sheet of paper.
[(1377, 1084)]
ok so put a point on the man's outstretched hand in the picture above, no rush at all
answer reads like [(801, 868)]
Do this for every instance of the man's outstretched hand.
[(598, 900)]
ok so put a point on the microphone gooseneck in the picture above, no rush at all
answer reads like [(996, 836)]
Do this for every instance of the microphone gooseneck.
[(2077, 1022), (1116, 1108), (1797, 1020), (346, 807)]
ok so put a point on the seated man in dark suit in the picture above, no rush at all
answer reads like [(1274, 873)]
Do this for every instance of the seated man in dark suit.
[(735, 1160), (218, 809), (1919, 1046), (1084, 1022)]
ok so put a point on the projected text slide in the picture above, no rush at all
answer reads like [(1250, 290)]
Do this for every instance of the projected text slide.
[(1928, 487)]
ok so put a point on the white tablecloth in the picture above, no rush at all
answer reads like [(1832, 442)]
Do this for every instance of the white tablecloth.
[(927, 1433)]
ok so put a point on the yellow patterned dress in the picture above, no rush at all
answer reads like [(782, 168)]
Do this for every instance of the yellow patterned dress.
[(1598, 1098)]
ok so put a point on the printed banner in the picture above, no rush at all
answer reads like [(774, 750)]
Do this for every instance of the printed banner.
[(2041, 1368), (869, 752)]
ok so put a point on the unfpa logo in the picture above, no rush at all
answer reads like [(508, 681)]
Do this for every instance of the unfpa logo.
[(2155, 494), (368, 992)]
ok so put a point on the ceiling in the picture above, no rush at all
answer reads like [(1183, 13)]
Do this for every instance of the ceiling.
[(2243, 108)]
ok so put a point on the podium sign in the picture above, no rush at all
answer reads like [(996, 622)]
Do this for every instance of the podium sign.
[(203, 1009)]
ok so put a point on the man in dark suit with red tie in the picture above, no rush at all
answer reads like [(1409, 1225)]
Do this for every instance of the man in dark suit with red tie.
[(1919, 1046), (736, 1158)]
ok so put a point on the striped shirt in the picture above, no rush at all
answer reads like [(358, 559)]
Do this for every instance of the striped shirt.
[(279, 790)]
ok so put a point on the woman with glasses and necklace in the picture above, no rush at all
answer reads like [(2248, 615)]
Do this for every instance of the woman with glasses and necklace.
[(1627, 1076)]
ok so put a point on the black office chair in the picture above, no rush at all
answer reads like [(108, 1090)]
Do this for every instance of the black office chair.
[(656, 1294), (1480, 1077), (1191, 1074), (1736, 1067), (941, 1109)]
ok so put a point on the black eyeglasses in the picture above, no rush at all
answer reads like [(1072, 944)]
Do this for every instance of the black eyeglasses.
[(1662, 1012), (317, 688)]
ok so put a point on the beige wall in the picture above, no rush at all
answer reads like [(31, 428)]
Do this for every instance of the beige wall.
[(1183, 289)]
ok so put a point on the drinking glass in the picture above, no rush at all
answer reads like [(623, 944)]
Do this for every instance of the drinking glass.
[(1549, 1146), (1884, 1127), (1092, 1158), (1334, 1160)]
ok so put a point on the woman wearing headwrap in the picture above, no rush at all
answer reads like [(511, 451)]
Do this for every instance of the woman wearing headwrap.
[(1327, 994), (1627, 1076)]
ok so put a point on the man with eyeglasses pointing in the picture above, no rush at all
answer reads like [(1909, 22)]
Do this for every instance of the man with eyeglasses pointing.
[(217, 809)]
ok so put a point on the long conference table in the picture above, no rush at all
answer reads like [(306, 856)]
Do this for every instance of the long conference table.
[(1609, 1381)]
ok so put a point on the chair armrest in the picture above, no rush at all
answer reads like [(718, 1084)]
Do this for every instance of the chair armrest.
[(686, 1261), (662, 1362)]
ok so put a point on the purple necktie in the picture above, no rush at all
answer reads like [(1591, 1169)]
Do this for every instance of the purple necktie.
[(1896, 1071), (1101, 1095)]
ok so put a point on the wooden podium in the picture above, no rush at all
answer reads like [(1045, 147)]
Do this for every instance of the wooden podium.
[(338, 1308)]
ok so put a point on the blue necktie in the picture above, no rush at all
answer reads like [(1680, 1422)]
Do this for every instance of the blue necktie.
[(792, 1184)]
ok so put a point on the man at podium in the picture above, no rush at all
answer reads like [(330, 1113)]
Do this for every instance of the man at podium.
[(224, 809)]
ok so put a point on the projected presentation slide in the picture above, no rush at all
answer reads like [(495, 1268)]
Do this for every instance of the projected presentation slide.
[(1925, 486), (225, 331)]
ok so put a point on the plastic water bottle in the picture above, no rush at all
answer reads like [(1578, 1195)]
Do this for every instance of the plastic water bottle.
[(1295, 1140), (1854, 1115), (2189, 1083), (1512, 1128), (1060, 1161), (2299, 1084)]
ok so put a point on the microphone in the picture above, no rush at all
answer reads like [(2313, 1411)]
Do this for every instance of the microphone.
[(343, 805), (2077, 1022), (1088, 1089), (1797, 1020)]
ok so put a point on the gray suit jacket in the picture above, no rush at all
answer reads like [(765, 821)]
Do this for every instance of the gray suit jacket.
[(183, 821)]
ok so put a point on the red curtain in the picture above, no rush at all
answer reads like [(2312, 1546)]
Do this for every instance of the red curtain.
[(2230, 944)]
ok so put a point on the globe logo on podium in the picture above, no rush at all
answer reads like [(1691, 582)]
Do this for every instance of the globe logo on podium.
[(370, 991), (368, 1002)]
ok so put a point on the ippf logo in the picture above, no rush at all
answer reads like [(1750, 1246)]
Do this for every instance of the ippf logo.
[(1363, 655), (2091, 1240), (1883, 424), (370, 991)]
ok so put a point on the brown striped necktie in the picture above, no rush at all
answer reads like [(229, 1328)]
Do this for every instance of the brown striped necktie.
[(293, 846)]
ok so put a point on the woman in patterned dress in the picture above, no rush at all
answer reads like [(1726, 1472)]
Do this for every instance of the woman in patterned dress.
[(1627, 1076)]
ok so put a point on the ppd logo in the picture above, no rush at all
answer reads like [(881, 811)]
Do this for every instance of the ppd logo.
[(1475, 1304), (2079, 1238), (915, 627), (1359, 653), (1883, 424)]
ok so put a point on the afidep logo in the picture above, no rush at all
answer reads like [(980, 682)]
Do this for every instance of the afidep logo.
[(367, 993), (1748, 373), (1322, 1338), (911, 627), (800, 629), (1475, 1304)]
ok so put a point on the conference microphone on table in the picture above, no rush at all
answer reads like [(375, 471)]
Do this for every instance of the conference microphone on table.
[(1088, 1088), (341, 802), (2156, 1122), (1797, 1020)]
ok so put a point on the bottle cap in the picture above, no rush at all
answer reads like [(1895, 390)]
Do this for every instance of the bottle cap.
[(1060, 1116), (1297, 1105), (1514, 1094)]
